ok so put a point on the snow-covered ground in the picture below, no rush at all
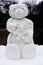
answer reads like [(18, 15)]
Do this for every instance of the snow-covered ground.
[(38, 60)]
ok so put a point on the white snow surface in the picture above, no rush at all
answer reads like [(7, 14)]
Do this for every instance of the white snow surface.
[(38, 60)]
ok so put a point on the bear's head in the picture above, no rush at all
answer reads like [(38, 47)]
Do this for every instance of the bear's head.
[(18, 11)]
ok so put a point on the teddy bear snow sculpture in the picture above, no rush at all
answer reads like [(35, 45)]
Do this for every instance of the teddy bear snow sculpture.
[(20, 40)]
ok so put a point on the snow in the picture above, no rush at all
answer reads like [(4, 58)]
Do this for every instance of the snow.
[(30, 1), (38, 1), (38, 60)]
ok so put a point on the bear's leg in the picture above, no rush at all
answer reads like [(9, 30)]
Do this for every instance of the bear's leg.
[(29, 51), (13, 51)]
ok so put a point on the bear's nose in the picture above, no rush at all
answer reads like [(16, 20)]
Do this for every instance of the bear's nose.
[(19, 12)]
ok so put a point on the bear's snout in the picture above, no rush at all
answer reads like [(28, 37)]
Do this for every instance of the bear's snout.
[(19, 12)]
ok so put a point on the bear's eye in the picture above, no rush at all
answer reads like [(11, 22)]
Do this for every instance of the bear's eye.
[(14, 8), (22, 8)]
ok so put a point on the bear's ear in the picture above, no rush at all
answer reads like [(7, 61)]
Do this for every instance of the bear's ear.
[(25, 5), (11, 6)]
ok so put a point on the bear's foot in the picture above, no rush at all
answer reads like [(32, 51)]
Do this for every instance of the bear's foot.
[(29, 51), (13, 51)]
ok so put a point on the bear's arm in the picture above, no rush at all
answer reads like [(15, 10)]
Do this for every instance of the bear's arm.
[(10, 25), (29, 26)]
